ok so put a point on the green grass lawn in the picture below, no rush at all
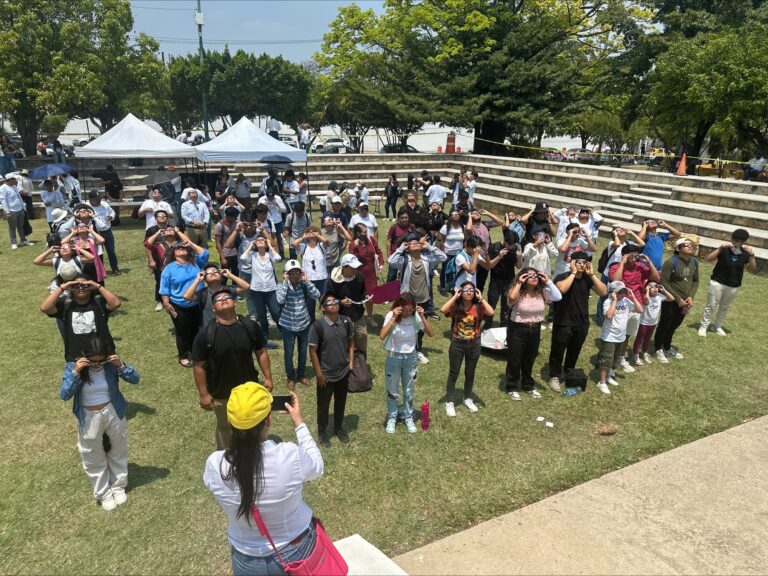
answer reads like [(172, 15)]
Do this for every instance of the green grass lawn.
[(399, 491)]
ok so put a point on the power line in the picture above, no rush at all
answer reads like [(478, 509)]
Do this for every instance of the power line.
[(234, 41)]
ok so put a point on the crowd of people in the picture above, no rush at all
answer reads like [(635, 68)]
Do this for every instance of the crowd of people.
[(540, 275)]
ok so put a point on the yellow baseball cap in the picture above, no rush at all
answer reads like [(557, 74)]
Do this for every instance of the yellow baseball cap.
[(248, 405)]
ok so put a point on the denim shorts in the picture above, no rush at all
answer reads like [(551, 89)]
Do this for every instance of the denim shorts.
[(245, 565)]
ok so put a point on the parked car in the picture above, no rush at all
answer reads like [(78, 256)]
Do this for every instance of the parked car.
[(80, 141), (398, 149), (289, 139), (580, 155), (554, 155), (333, 141), (331, 149)]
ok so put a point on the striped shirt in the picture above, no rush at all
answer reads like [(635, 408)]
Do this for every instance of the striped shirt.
[(294, 314)]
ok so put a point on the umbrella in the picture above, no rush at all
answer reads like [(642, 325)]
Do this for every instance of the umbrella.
[(274, 159), (159, 177), (48, 170)]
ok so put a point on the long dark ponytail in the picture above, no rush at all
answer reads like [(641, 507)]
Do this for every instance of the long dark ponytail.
[(246, 466)]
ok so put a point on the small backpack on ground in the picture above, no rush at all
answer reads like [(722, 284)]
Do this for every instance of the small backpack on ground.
[(576, 378)]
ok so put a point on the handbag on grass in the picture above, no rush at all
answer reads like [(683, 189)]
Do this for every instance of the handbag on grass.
[(324, 560)]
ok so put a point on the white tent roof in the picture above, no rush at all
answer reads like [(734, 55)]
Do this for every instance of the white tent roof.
[(132, 138), (244, 142)]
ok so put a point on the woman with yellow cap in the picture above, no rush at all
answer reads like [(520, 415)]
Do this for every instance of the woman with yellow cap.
[(257, 471)]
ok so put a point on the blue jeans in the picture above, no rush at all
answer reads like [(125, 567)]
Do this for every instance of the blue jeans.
[(311, 302), (400, 369), (249, 302), (302, 340), (109, 246), (244, 565), (262, 301)]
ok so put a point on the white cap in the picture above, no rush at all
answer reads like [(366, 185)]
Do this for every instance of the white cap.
[(58, 214), (336, 199), (292, 265), (186, 191), (616, 286), (14, 175), (351, 261), (361, 204)]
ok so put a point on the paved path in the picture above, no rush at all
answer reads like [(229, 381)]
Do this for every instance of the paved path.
[(699, 509)]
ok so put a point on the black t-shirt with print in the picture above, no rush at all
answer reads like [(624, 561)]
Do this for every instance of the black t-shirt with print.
[(81, 322), (229, 362), (729, 269), (573, 309)]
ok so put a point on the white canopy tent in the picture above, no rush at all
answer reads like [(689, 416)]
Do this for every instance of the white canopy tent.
[(132, 138), (245, 142)]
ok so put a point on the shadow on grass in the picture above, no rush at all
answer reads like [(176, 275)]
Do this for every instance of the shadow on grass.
[(138, 408), (139, 475)]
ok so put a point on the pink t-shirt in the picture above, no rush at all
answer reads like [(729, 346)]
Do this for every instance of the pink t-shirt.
[(528, 309)]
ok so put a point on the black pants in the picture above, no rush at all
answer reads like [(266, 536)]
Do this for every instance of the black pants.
[(390, 203), (497, 290), (337, 391), (482, 276), (156, 272), (460, 351), (420, 336), (522, 349), (670, 320), (187, 324), (231, 264), (566, 341)]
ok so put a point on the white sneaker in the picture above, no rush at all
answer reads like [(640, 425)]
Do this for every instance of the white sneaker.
[(515, 395), (625, 366), (554, 384), (647, 358), (27, 243), (450, 411), (533, 393), (703, 332), (674, 353), (603, 387), (470, 405), (636, 360), (720, 332), (661, 357), (391, 423), (108, 502), (158, 306), (120, 496), (422, 359), (14, 247), (612, 378)]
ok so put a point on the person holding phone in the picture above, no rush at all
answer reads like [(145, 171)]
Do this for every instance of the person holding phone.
[(402, 325), (257, 471), (467, 311), (528, 299), (99, 406)]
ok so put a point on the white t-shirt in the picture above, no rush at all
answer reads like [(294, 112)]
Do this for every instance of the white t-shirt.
[(461, 274), (563, 260), (361, 193), (275, 208), (454, 239), (615, 329), (471, 187), (369, 221), (150, 216), (293, 186), (316, 255), (436, 193), (651, 311), (55, 199), (281, 504), (402, 337)]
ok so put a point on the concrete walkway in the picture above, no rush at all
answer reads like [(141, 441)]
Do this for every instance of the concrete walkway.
[(699, 509)]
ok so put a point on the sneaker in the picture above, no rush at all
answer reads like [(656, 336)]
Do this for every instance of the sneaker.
[(291, 385), (120, 496), (625, 366), (422, 359), (603, 387), (436, 273), (661, 357), (14, 247), (674, 353), (703, 332), (515, 395), (27, 243), (533, 393), (612, 379), (391, 426), (108, 502), (647, 358), (470, 405), (305, 381), (158, 306), (554, 384), (450, 411), (434, 315), (239, 298), (720, 332), (342, 435), (325, 442), (636, 360), (116, 273), (410, 425)]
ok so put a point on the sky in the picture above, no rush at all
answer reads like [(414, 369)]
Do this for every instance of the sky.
[(290, 28)]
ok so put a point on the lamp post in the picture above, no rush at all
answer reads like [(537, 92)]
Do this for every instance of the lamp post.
[(200, 21)]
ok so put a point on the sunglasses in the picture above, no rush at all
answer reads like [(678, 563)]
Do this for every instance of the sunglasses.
[(223, 298), (212, 271), (314, 267), (468, 290), (81, 287), (331, 303)]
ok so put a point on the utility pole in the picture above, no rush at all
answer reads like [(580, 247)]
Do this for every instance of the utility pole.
[(199, 21)]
